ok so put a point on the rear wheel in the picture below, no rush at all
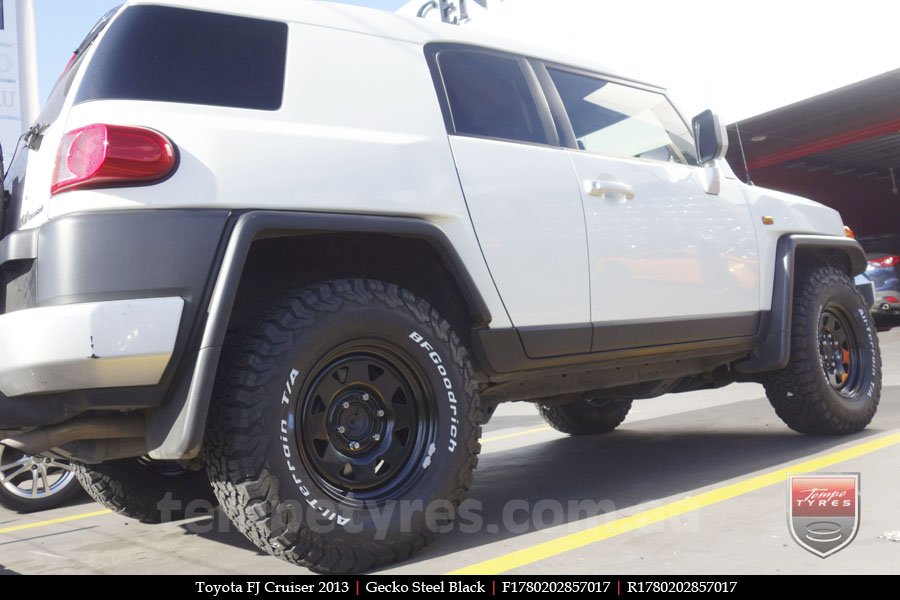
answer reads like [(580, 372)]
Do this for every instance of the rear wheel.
[(832, 383), (585, 415), (146, 490), (339, 421)]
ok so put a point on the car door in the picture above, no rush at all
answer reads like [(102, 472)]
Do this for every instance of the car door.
[(673, 259), (520, 194)]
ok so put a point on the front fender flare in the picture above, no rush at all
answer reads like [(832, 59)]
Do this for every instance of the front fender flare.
[(774, 350)]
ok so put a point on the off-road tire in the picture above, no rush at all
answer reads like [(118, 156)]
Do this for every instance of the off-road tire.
[(801, 393), (585, 416), (270, 483), (146, 491)]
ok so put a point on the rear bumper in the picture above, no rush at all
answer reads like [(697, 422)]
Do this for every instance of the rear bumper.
[(87, 345), (137, 282)]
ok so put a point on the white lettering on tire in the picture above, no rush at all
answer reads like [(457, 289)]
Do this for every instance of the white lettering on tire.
[(285, 432), (448, 385)]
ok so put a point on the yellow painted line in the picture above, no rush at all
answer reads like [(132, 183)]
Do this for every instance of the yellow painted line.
[(573, 541), (96, 513), (509, 436)]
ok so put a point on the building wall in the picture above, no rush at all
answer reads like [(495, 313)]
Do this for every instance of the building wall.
[(867, 205)]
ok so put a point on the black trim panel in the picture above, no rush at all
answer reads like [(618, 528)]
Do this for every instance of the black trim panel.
[(657, 332), (556, 341), (502, 356), (566, 340), (525, 349)]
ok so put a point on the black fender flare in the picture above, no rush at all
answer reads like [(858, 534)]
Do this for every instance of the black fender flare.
[(774, 349), (175, 430)]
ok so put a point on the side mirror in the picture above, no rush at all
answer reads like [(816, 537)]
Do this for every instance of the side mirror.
[(710, 137)]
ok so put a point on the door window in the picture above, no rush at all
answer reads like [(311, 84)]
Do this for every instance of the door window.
[(623, 121)]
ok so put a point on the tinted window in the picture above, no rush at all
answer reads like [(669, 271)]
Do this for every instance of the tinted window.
[(618, 120), (176, 55), (489, 96)]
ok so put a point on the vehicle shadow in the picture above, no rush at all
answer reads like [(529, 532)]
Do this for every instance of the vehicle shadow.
[(566, 480)]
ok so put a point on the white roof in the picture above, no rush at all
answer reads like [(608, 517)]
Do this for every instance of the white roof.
[(379, 23)]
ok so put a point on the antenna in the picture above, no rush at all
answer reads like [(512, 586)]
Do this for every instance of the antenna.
[(737, 129)]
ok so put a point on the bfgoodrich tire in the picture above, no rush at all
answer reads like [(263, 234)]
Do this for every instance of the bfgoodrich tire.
[(149, 491), (585, 415), (832, 383), (339, 421)]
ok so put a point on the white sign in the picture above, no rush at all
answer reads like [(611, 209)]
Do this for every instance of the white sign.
[(16, 50)]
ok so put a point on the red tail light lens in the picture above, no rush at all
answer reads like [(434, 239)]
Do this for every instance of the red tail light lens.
[(891, 299), (111, 155), (885, 261)]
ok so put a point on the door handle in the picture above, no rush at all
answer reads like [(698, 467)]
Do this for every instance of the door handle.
[(598, 188)]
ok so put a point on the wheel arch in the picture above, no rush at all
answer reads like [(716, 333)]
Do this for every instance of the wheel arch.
[(794, 251), (175, 430)]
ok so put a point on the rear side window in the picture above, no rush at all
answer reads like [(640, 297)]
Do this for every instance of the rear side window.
[(176, 55), (489, 96)]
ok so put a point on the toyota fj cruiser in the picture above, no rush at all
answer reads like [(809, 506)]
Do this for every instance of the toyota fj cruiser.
[(302, 251)]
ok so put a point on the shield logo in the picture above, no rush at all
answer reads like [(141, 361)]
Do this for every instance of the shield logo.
[(823, 511)]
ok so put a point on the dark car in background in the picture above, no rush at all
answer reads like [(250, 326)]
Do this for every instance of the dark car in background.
[(883, 253)]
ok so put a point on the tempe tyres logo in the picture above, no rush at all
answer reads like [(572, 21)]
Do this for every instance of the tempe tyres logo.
[(823, 511)]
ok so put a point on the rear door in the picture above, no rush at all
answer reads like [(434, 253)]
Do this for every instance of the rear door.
[(521, 195), (670, 262)]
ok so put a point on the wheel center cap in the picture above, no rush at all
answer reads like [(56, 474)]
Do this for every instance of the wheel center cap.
[(357, 422)]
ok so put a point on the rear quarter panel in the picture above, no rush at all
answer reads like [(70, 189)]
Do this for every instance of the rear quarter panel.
[(359, 131)]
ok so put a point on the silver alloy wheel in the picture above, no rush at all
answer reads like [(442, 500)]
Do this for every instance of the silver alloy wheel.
[(33, 477)]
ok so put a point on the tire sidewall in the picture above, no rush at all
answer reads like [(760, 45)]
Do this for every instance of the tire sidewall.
[(300, 501), (854, 306)]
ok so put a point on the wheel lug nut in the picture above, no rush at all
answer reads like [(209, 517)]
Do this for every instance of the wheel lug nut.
[(376, 437), (365, 397), (345, 405), (380, 413), (341, 429), (354, 445)]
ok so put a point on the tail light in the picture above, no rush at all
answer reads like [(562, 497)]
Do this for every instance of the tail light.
[(884, 261), (111, 155), (891, 299)]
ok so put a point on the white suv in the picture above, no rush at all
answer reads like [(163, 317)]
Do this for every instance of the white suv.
[(305, 250)]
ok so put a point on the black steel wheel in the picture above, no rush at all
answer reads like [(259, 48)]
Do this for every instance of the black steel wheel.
[(365, 423), (840, 350)]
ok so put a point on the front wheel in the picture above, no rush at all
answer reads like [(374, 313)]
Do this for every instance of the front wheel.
[(344, 427), (832, 384)]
